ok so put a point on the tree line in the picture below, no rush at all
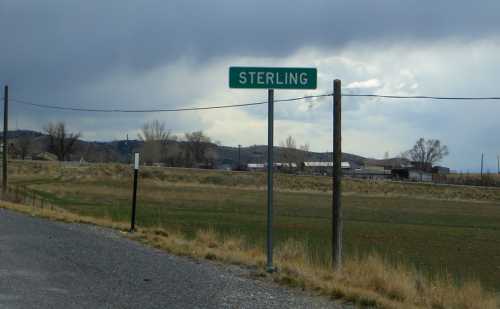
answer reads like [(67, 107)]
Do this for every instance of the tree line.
[(157, 146)]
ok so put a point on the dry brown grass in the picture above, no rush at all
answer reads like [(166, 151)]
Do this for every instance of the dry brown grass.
[(58, 214), (372, 280), (369, 280), (487, 179)]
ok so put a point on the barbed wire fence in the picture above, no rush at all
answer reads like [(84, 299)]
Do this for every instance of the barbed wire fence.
[(23, 194)]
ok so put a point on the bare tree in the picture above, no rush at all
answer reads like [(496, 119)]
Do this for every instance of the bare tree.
[(24, 145), (305, 147), (156, 140), (288, 151), (199, 149), (292, 155), (61, 143), (175, 155), (91, 153), (303, 155), (210, 156), (154, 131), (289, 143), (425, 153)]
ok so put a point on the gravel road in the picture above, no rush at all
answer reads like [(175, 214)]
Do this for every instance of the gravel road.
[(47, 264)]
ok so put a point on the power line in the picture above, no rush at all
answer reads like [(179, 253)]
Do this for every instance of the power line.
[(78, 109), (418, 97)]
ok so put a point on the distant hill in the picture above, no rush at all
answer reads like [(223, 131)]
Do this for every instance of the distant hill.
[(21, 133), (121, 151), (258, 154)]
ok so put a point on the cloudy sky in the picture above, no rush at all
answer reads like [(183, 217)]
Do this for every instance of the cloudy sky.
[(168, 54)]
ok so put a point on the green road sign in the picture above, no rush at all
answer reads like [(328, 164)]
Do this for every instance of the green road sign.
[(273, 78)]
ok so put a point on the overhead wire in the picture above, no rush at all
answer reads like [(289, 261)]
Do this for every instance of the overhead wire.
[(198, 108), (78, 109), (419, 97)]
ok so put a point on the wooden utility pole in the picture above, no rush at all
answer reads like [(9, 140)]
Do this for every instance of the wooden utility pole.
[(482, 164), (498, 165), (239, 157), (337, 177), (129, 154), (4, 137)]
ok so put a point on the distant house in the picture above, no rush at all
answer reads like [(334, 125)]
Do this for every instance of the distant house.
[(256, 166), (400, 169), (285, 165), (440, 170), (325, 168), (318, 168), (426, 167), (344, 165), (372, 172), (416, 175), (388, 164), (411, 174), (397, 169)]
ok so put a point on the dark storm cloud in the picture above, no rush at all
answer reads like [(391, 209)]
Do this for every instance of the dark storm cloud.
[(144, 54), (63, 43)]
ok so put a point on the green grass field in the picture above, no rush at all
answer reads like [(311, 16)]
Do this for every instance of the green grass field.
[(438, 229)]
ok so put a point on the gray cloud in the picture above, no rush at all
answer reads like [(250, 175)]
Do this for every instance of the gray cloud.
[(131, 53), (60, 43)]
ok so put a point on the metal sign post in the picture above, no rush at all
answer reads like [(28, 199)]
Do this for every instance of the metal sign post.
[(134, 194), (270, 79), (270, 146)]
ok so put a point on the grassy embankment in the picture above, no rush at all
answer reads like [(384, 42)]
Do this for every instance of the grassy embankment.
[(437, 229)]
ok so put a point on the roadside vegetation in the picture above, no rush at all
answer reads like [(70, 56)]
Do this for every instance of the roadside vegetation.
[(407, 245), (471, 179), (29, 171)]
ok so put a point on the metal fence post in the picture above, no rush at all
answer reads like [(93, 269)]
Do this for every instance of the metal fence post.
[(134, 193)]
